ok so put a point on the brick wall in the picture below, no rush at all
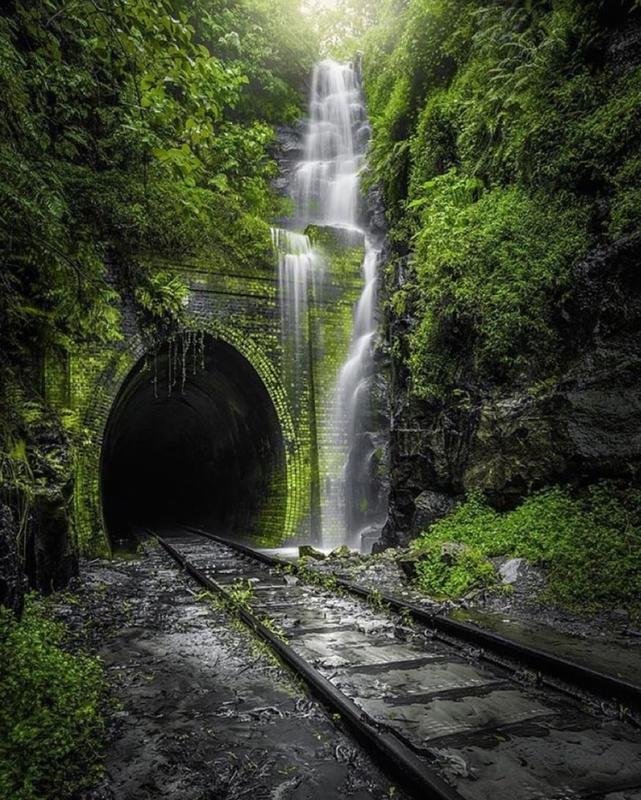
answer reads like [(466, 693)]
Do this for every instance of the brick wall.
[(242, 310)]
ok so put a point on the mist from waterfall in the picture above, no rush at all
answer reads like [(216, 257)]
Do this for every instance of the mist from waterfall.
[(325, 191)]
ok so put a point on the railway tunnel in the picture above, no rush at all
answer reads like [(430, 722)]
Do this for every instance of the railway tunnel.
[(197, 442)]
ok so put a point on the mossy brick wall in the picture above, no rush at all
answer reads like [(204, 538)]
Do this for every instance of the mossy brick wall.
[(241, 309), (332, 329)]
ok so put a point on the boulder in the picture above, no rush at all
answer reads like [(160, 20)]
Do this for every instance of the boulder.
[(451, 552), (509, 571), (430, 507), (369, 537), (341, 552), (408, 562)]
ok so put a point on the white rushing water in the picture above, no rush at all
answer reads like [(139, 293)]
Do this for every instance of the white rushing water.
[(326, 192), (298, 268), (326, 181)]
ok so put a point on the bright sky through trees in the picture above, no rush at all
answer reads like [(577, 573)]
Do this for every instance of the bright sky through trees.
[(309, 6)]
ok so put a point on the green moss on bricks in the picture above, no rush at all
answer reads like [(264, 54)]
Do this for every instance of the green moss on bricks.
[(238, 304)]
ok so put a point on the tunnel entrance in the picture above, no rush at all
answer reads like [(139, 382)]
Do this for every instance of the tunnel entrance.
[(207, 452)]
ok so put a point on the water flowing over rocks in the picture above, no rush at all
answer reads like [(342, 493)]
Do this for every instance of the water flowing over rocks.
[(320, 171)]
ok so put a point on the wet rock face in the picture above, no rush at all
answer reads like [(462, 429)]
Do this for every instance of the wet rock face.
[(287, 151), (51, 559), (582, 425), (430, 507), (374, 212), (11, 578)]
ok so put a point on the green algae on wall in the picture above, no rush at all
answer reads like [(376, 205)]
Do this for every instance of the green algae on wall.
[(331, 323), (241, 308)]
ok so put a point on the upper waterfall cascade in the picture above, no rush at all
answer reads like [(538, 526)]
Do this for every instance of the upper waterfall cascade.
[(325, 191), (326, 181)]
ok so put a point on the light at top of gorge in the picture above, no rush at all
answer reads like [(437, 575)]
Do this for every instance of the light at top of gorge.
[(309, 6)]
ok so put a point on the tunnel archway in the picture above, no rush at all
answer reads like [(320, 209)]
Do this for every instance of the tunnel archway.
[(202, 447)]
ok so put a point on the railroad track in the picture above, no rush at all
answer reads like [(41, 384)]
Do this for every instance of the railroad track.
[(447, 719)]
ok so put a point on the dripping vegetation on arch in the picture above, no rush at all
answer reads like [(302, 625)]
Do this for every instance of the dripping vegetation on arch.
[(126, 130)]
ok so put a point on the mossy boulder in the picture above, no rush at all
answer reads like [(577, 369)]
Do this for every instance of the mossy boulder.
[(307, 551)]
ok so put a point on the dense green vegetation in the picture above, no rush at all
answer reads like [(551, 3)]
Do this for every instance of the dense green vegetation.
[(340, 26), (129, 128), (590, 545), (51, 728), (506, 141), (128, 132)]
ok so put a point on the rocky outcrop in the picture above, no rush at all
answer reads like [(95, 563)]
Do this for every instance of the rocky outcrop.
[(51, 558), (11, 577), (287, 151), (580, 425)]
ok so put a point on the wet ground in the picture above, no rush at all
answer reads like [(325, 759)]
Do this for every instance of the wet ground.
[(492, 734), (607, 642), (202, 711)]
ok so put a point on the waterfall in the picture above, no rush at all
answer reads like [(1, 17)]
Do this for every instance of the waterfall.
[(326, 181), (298, 266), (325, 191)]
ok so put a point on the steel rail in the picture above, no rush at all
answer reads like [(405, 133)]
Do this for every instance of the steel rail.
[(395, 756), (556, 668)]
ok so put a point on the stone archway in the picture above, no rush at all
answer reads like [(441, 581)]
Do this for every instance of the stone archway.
[(273, 464)]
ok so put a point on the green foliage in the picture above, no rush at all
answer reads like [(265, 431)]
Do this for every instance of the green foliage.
[(590, 544), (271, 43), (507, 147), (240, 593), (51, 729), (129, 129), (456, 576), (490, 266), (34, 460), (340, 26), (131, 134), (163, 293)]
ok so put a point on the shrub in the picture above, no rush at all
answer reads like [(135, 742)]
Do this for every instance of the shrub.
[(51, 729), (590, 545), (491, 267), (467, 569), (518, 102)]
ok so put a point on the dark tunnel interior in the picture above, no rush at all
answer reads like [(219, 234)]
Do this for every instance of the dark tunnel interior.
[(209, 452)]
